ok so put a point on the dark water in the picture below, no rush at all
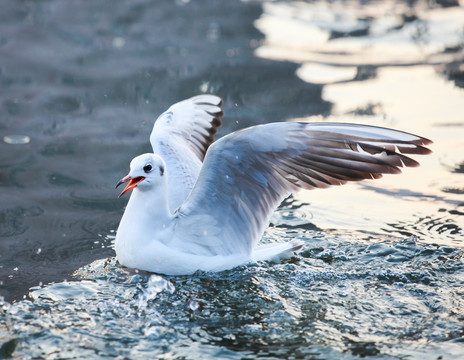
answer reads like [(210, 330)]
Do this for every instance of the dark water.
[(382, 271)]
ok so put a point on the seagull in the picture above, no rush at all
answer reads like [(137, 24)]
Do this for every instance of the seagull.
[(199, 204)]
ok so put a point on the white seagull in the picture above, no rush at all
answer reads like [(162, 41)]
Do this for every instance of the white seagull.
[(203, 205)]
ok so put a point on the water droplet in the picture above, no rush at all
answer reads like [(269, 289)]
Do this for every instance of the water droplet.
[(119, 42), (16, 139), (194, 305), (204, 86)]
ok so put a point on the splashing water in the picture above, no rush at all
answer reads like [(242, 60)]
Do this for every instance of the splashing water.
[(338, 298)]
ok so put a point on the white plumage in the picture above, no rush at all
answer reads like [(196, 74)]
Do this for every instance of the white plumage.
[(199, 205)]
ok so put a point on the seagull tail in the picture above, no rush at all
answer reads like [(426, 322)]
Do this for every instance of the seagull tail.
[(277, 252)]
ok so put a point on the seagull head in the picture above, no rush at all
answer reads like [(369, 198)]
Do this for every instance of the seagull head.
[(146, 170)]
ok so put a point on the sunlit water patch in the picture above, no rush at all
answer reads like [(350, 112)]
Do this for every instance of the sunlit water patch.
[(353, 33), (383, 63), (339, 298)]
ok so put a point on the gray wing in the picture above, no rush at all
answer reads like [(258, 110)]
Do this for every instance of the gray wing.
[(181, 136), (247, 174)]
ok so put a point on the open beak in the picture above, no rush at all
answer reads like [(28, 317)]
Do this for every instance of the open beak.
[(133, 182)]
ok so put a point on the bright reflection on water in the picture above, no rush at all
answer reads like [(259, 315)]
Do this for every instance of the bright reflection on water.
[(381, 274), (395, 77)]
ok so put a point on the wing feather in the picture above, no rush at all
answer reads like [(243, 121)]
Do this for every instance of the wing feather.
[(247, 174), (181, 136)]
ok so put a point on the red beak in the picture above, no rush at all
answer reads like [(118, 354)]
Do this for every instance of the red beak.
[(133, 182)]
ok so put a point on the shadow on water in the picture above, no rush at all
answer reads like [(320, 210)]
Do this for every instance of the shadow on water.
[(381, 274)]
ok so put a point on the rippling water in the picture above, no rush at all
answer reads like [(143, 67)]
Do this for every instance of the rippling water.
[(382, 272), (346, 296)]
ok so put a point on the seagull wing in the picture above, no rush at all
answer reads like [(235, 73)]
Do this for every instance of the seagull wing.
[(247, 174), (181, 136)]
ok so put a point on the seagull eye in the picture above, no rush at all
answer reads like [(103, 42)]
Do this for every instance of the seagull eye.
[(147, 168)]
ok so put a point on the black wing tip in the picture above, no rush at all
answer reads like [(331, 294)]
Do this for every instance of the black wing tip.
[(421, 144), (217, 120), (424, 141), (219, 102), (202, 142), (417, 150)]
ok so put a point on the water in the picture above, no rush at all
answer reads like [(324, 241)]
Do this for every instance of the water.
[(389, 299), (381, 274)]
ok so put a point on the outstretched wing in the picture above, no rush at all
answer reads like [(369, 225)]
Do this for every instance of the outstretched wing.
[(247, 174), (181, 136)]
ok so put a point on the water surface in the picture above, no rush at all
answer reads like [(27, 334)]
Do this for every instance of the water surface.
[(381, 274)]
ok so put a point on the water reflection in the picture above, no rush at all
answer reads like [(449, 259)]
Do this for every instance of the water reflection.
[(360, 33), (16, 139), (397, 49)]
